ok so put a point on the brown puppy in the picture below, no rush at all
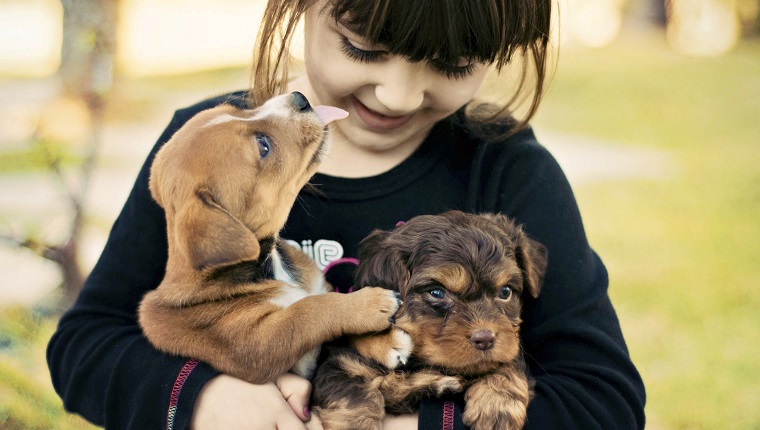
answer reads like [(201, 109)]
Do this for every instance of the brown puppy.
[(233, 295), (462, 278)]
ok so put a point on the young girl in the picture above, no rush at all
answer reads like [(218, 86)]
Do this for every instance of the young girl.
[(415, 143)]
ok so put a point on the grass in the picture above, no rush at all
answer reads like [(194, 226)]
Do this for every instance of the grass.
[(683, 252), (34, 157), (28, 401)]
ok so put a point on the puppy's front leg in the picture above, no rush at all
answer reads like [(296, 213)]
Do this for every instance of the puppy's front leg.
[(498, 400), (286, 334), (391, 348), (403, 391)]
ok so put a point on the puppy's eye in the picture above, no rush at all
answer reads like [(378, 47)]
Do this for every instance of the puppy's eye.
[(265, 144), (437, 293), (505, 293)]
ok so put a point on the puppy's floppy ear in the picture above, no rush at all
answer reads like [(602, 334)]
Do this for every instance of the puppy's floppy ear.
[(532, 259), (210, 236), (531, 255), (381, 263)]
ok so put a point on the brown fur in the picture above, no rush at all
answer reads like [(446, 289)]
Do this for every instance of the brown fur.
[(469, 258), (224, 298)]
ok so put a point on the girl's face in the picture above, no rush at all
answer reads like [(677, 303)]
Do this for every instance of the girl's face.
[(392, 102)]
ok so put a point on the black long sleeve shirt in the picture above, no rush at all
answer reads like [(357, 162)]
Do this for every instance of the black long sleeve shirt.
[(105, 370)]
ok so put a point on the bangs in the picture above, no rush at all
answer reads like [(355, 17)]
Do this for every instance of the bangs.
[(447, 31)]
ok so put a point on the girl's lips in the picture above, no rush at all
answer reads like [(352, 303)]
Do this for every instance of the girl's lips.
[(377, 120)]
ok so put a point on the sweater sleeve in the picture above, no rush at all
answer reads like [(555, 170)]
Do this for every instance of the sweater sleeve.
[(100, 363), (571, 336)]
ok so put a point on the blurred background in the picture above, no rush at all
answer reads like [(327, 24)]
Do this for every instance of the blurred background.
[(653, 112)]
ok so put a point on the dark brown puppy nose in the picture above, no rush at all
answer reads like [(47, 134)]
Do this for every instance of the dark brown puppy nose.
[(300, 102), (482, 339)]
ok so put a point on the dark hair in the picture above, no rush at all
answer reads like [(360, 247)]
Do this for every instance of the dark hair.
[(490, 31)]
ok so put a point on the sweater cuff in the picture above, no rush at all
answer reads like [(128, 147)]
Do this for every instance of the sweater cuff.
[(190, 379), (443, 413)]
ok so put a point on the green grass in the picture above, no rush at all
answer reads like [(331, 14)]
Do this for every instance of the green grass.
[(33, 157), (27, 399), (683, 253)]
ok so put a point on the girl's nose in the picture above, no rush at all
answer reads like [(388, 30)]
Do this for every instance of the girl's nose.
[(401, 87)]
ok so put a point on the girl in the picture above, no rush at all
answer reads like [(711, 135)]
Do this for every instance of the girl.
[(415, 143)]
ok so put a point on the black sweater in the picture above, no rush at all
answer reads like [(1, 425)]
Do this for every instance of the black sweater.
[(105, 370)]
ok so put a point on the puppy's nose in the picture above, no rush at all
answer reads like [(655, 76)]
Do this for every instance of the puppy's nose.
[(300, 102), (482, 339)]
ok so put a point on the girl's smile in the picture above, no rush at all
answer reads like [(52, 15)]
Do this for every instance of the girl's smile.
[(378, 121)]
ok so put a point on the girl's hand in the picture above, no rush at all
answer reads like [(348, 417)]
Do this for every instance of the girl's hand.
[(230, 403), (400, 422), (296, 391)]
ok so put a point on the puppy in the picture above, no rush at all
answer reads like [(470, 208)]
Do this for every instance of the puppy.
[(233, 295), (462, 279)]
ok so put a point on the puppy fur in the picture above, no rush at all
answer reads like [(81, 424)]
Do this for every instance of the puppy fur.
[(233, 295), (462, 279)]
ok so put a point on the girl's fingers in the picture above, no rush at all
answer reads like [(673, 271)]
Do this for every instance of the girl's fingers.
[(296, 391)]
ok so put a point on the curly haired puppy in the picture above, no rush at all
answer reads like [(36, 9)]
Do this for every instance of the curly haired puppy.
[(462, 278), (233, 295)]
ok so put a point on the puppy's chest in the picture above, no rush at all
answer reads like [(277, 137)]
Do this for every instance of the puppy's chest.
[(296, 282)]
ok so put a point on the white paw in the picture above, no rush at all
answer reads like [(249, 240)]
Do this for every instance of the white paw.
[(402, 349), (450, 384), (307, 364)]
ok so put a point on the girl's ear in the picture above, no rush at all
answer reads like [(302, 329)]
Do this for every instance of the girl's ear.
[(381, 263)]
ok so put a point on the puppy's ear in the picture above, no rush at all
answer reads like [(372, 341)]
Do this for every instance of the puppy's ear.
[(381, 263), (210, 236), (532, 259), (531, 255)]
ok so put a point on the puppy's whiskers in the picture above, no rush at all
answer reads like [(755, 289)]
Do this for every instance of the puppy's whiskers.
[(300, 200)]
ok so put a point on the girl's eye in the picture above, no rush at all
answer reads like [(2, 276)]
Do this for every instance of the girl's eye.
[(453, 71), (358, 54), (265, 144), (437, 293), (505, 293)]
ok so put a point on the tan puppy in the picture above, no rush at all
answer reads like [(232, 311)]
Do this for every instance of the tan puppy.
[(233, 295), (463, 278)]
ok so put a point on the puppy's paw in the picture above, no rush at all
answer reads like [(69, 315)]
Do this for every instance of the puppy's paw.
[(401, 349), (375, 308), (486, 408), (391, 349), (449, 384)]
